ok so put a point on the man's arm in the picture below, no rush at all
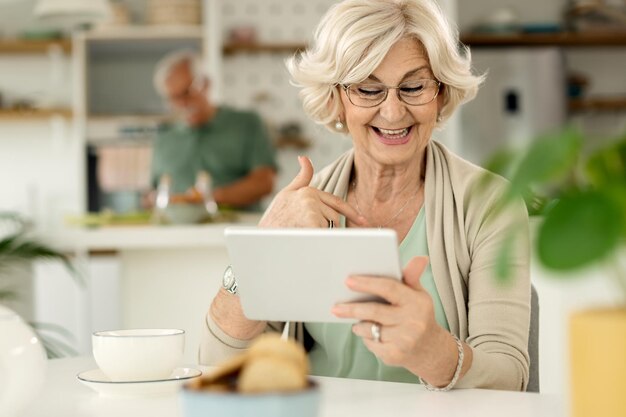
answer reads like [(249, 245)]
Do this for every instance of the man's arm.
[(248, 190)]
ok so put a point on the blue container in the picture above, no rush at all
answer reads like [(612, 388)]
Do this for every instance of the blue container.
[(230, 404)]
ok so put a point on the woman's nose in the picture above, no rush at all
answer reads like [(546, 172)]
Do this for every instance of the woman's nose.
[(392, 109)]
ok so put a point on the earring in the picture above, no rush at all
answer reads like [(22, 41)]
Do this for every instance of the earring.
[(339, 125), (439, 118)]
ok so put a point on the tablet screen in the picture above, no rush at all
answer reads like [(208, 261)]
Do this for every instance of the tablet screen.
[(299, 274)]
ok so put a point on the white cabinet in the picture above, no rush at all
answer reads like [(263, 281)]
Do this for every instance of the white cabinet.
[(117, 71), (79, 308), (119, 65), (135, 277)]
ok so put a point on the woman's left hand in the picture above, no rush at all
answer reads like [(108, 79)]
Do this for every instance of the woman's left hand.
[(407, 323)]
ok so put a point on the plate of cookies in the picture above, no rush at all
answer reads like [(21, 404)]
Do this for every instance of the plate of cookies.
[(269, 379)]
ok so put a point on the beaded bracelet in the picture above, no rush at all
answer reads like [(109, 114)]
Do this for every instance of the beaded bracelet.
[(457, 372)]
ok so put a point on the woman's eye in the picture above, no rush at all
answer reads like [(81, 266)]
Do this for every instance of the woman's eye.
[(369, 91), (412, 89)]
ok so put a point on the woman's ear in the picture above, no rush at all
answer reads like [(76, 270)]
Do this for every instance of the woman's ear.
[(335, 105), (441, 97), (441, 101)]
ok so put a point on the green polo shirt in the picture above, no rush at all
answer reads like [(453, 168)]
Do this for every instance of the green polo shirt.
[(338, 352), (228, 147)]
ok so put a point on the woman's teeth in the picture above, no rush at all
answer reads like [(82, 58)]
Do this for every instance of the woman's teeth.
[(394, 134)]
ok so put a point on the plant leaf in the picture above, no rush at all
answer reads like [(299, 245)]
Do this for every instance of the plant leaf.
[(54, 346), (8, 295), (503, 261), (580, 229), (16, 248), (549, 158), (501, 162), (608, 165)]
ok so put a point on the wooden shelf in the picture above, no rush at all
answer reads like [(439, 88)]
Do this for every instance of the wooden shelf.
[(548, 39), (145, 32), (21, 46), (233, 48), (598, 104), (33, 114)]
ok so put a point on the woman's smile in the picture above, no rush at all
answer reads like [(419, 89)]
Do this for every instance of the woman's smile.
[(393, 136)]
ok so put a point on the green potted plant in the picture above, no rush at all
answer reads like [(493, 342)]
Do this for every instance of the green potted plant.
[(579, 202), (22, 354), (18, 248)]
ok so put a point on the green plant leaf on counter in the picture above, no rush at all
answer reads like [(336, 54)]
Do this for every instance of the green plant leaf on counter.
[(608, 165), (548, 159), (8, 295), (18, 246), (581, 199), (55, 346), (578, 230)]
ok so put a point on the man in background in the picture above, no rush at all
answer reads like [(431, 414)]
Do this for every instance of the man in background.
[(232, 146)]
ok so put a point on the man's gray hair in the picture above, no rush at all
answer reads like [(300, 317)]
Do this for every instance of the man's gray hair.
[(172, 60)]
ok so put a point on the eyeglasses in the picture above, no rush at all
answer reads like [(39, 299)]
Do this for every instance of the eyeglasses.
[(413, 93), (182, 97)]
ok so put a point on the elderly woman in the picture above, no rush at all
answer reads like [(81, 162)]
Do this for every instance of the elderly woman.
[(388, 73)]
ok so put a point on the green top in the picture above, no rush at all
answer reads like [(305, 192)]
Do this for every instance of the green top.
[(229, 147), (340, 353)]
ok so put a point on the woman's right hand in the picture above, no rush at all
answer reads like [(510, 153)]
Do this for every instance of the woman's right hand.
[(299, 205), (227, 313)]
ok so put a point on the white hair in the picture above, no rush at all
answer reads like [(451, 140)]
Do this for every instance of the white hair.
[(354, 37), (172, 60)]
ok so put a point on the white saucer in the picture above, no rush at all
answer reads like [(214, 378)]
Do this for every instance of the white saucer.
[(96, 380)]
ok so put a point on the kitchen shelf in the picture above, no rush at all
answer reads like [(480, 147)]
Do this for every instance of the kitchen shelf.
[(22, 46), (598, 104), (102, 117), (145, 32), (590, 39), (33, 114), (234, 48)]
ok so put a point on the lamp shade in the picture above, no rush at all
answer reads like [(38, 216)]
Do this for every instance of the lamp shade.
[(72, 12)]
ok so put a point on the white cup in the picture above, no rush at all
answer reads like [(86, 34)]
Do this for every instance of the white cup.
[(138, 354)]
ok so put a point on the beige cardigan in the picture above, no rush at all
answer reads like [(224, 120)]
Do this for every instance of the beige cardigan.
[(464, 235)]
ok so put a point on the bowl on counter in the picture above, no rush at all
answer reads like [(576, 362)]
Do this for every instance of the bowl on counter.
[(202, 403), (185, 213)]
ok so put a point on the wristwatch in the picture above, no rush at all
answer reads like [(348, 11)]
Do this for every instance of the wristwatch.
[(229, 283)]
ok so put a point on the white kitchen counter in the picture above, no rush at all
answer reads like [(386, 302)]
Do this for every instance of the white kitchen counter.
[(63, 395), (111, 238), (166, 276), (135, 277)]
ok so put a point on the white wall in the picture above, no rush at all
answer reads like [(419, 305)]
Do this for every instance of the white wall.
[(40, 167), (40, 159)]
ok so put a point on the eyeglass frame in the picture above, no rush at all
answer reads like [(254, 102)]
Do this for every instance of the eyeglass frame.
[(346, 88), (189, 91)]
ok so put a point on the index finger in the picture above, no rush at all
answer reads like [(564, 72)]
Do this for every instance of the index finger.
[(339, 205)]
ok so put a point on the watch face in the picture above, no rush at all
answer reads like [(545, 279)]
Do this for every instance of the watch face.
[(229, 277)]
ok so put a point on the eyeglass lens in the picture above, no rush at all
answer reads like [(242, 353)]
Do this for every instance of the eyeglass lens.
[(416, 92)]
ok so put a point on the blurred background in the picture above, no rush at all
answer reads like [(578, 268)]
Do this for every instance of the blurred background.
[(78, 114)]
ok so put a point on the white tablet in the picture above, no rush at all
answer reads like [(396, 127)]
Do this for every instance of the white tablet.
[(299, 274)]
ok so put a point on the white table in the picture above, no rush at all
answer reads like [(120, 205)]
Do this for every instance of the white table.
[(63, 395)]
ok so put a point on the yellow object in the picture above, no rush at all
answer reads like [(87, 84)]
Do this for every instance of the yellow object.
[(598, 363)]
